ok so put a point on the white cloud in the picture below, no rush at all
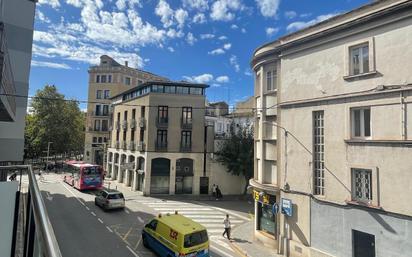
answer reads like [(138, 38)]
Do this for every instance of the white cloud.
[(301, 24), (290, 14), (217, 51), (305, 15), (190, 39), (271, 31), (41, 17), (222, 37), (222, 79), (50, 65), (227, 46), (201, 5), (199, 18), (268, 8), (181, 16), (234, 26), (248, 72), (53, 3), (165, 13), (203, 79), (171, 49), (243, 30), (121, 4), (75, 3), (224, 10), (206, 36), (216, 85), (172, 33), (234, 63)]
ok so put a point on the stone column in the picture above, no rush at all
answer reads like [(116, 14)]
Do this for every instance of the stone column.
[(172, 177), (147, 175)]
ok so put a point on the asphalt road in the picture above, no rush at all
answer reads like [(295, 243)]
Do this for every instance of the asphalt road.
[(84, 230)]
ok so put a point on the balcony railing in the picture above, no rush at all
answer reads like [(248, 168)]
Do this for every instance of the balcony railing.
[(132, 123), (132, 146), (7, 86), (124, 145), (161, 145), (142, 122), (185, 147), (117, 145), (162, 122), (98, 114), (124, 124), (37, 237), (117, 125), (186, 123), (141, 146)]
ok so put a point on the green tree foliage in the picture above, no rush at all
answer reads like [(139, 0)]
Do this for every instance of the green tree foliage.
[(236, 152), (53, 120)]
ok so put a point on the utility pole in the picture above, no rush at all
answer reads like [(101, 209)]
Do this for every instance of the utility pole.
[(48, 152)]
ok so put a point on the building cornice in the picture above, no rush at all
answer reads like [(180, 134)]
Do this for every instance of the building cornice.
[(269, 188)]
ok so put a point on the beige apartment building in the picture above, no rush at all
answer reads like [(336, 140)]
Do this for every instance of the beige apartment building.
[(157, 142), (106, 80), (344, 138)]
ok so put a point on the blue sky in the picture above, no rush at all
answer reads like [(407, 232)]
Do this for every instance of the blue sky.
[(207, 41)]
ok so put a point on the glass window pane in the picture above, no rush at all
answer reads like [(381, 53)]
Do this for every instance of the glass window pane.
[(367, 122), (365, 58), (357, 124), (355, 61)]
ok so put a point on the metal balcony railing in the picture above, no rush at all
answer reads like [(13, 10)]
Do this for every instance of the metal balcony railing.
[(38, 238), (185, 147), (124, 124), (132, 146), (142, 122), (186, 123), (161, 145), (117, 124), (124, 145), (132, 123), (7, 86), (98, 114), (117, 145), (141, 146), (162, 122)]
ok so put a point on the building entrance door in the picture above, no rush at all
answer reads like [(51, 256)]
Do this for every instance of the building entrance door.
[(363, 244)]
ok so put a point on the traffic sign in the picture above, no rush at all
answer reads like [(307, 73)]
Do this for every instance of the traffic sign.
[(275, 208), (287, 207)]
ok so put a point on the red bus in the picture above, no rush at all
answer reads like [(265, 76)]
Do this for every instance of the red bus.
[(83, 175)]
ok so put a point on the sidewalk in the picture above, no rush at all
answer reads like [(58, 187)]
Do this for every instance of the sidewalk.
[(244, 245)]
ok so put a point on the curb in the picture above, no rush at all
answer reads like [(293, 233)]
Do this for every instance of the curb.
[(238, 249)]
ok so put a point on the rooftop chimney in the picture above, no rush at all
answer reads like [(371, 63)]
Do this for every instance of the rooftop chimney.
[(126, 63)]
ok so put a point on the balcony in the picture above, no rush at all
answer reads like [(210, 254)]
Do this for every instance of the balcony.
[(26, 220), (162, 122), (132, 146), (117, 124), (185, 147), (142, 122), (132, 123), (98, 114), (186, 123), (124, 145), (117, 145), (161, 145), (7, 87), (124, 124), (141, 146)]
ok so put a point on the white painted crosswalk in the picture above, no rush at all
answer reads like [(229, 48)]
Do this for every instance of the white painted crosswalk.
[(209, 216)]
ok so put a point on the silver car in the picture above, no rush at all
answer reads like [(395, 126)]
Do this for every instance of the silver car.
[(109, 199)]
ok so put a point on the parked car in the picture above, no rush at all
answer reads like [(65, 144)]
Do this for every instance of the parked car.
[(109, 199)]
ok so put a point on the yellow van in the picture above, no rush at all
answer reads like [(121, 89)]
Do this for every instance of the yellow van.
[(173, 235)]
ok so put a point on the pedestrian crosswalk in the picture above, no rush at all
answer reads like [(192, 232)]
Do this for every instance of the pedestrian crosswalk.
[(209, 216)]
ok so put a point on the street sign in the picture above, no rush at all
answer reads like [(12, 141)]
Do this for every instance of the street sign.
[(287, 208), (275, 208), (128, 166)]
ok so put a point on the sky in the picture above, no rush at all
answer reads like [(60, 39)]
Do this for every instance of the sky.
[(205, 41)]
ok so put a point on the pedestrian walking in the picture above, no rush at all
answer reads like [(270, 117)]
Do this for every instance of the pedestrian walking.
[(218, 193), (226, 223), (214, 190)]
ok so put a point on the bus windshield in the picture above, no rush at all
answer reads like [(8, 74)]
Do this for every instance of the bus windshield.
[(196, 238)]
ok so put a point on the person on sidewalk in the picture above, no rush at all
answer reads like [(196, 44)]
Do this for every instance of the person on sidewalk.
[(227, 224), (214, 190), (218, 193)]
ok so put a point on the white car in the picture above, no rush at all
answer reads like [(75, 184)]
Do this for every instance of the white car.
[(109, 199)]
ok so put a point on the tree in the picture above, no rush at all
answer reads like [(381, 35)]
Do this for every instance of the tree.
[(53, 120), (236, 152)]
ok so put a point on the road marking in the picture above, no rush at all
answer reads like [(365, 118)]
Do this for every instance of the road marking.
[(227, 211), (140, 220), (94, 214), (138, 242), (127, 233), (101, 221), (109, 229), (49, 197), (72, 193), (133, 252), (214, 248), (125, 210), (87, 208), (183, 209)]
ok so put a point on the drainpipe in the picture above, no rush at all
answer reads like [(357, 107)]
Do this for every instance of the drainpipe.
[(403, 116)]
